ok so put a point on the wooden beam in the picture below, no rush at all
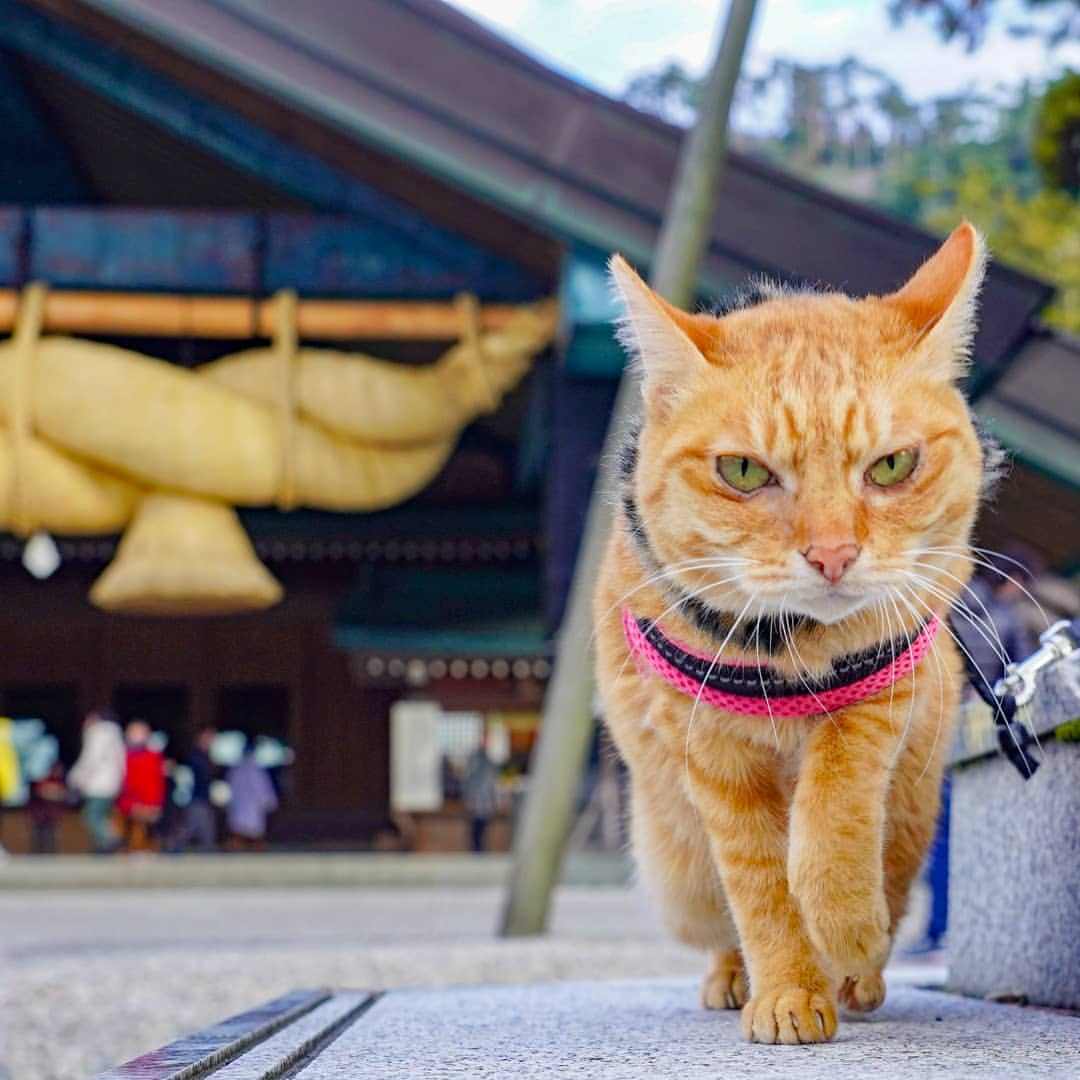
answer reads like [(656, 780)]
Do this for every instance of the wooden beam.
[(226, 317)]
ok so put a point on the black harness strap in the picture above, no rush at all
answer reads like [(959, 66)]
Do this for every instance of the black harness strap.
[(1014, 736)]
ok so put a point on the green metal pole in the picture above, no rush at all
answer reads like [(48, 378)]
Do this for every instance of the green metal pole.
[(563, 742)]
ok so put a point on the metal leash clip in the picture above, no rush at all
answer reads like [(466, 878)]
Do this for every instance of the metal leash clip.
[(1056, 642), (1017, 687)]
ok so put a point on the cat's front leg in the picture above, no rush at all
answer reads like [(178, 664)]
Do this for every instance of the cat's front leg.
[(744, 812), (835, 863)]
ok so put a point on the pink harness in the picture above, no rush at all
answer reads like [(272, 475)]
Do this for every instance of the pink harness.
[(752, 690)]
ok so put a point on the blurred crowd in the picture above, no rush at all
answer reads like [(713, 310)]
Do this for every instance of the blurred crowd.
[(221, 793), (134, 798)]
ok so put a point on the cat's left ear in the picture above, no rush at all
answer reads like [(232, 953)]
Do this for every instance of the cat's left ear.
[(666, 342), (939, 302)]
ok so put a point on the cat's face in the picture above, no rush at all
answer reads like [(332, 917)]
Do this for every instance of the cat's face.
[(807, 451)]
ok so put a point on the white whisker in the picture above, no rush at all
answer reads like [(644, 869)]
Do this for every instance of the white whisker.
[(671, 607), (959, 552), (701, 689), (975, 667), (963, 608), (761, 679), (991, 638), (892, 660), (941, 708), (893, 594), (800, 666), (669, 572)]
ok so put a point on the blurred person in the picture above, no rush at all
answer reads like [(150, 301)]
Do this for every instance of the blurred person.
[(10, 770), (48, 798), (252, 799), (480, 793), (11, 778), (142, 795), (198, 822), (98, 775), (451, 781), (171, 818)]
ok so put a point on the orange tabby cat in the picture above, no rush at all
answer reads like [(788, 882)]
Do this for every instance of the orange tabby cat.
[(802, 489)]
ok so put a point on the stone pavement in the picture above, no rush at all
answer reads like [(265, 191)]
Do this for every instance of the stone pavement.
[(632, 1029), (88, 977)]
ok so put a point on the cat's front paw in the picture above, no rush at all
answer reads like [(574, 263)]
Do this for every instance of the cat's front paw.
[(862, 993), (854, 945), (792, 1015)]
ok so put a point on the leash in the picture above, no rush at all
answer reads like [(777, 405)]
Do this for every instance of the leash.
[(1016, 688)]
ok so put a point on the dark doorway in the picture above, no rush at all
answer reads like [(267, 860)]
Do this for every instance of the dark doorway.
[(57, 704), (254, 710), (164, 708)]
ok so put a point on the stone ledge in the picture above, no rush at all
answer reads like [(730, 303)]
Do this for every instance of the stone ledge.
[(246, 870)]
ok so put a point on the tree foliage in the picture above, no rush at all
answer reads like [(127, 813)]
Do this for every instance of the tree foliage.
[(1052, 21), (671, 93), (1056, 147), (1039, 234), (1005, 159)]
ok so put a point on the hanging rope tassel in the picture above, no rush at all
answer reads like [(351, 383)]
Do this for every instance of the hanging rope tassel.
[(286, 342), (25, 339), (468, 307)]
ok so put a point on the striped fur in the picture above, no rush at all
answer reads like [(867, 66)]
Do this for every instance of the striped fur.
[(786, 848)]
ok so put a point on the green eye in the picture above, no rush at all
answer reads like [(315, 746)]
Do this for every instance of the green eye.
[(892, 468), (743, 473)]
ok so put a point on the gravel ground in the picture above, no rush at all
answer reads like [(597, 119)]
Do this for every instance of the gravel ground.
[(92, 978)]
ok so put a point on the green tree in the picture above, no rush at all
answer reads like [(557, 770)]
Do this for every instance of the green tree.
[(1054, 21), (671, 93), (1039, 234), (1056, 147), (902, 115), (1009, 159)]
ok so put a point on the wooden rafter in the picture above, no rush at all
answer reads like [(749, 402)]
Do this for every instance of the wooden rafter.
[(228, 317)]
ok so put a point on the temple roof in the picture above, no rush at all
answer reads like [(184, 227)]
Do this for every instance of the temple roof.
[(463, 124), (413, 114)]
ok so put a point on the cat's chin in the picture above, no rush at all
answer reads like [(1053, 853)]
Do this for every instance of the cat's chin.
[(831, 608)]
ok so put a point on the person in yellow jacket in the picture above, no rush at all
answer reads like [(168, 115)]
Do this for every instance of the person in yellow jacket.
[(10, 771), (11, 782)]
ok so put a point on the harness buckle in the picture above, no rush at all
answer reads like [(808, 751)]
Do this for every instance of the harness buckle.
[(1056, 642)]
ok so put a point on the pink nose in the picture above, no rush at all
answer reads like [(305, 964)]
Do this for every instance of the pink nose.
[(831, 561)]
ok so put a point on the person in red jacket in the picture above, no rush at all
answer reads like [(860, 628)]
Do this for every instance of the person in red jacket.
[(142, 797)]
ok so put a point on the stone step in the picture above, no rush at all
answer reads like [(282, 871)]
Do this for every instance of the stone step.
[(632, 1029)]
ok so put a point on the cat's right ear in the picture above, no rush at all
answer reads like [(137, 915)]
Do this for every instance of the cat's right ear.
[(939, 303), (657, 336)]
